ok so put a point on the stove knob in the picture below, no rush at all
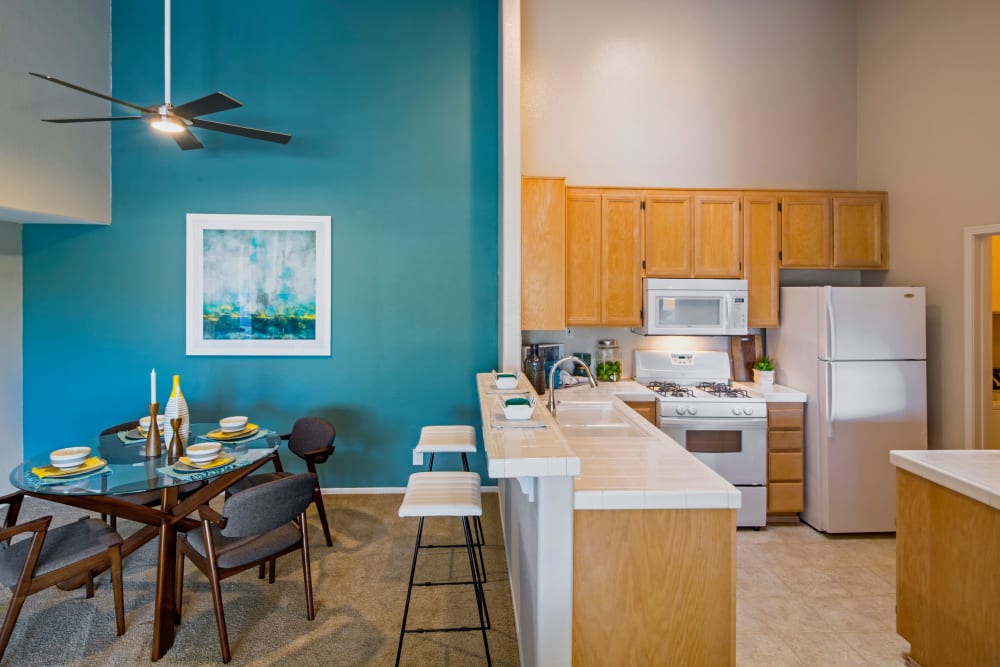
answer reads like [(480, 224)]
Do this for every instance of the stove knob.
[(748, 411), (679, 409), (736, 411), (692, 411)]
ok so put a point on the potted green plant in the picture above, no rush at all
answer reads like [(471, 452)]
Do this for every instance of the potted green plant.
[(763, 371)]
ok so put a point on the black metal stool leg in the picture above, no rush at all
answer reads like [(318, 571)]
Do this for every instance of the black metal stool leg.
[(478, 525), (409, 590), (478, 586)]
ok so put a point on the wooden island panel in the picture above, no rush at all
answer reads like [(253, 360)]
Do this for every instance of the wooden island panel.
[(654, 587), (947, 574)]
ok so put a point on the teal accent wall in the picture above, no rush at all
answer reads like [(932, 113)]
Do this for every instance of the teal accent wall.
[(394, 110)]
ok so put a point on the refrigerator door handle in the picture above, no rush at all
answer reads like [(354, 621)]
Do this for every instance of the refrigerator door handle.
[(829, 400), (830, 334)]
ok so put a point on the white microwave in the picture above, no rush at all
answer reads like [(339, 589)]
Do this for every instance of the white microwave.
[(693, 307)]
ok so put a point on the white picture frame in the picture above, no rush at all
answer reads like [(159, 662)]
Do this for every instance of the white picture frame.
[(258, 285)]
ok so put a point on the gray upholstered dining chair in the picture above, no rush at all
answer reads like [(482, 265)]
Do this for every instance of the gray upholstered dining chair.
[(311, 440), (256, 526), (53, 555)]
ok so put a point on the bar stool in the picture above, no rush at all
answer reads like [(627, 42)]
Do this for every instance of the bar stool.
[(452, 440), (445, 494)]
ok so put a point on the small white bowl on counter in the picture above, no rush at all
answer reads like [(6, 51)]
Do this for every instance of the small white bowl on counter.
[(233, 424), (69, 457), (517, 407), (506, 380), (144, 423), (203, 452)]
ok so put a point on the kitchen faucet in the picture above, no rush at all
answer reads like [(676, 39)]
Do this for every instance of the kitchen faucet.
[(552, 382)]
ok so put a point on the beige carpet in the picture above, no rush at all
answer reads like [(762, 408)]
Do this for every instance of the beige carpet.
[(359, 583)]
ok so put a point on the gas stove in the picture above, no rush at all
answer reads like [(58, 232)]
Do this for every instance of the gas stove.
[(695, 384), (725, 426)]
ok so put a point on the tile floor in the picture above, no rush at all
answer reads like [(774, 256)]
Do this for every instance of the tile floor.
[(804, 598)]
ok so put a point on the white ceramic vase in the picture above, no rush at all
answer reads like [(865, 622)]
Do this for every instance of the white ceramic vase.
[(763, 377), (176, 407)]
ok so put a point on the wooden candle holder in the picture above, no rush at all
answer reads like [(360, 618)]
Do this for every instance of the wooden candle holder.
[(176, 448), (152, 447)]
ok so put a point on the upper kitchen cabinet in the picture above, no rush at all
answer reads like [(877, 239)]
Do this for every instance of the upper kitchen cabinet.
[(859, 232), (805, 231), (823, 230), (543, 253), (760, 257), (692, 235), (603, 256)]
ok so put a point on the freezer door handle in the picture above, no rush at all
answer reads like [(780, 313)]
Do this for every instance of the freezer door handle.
[(830, 334), (829, 400)]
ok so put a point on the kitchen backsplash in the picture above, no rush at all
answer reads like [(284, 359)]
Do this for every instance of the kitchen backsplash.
[(584, 339)]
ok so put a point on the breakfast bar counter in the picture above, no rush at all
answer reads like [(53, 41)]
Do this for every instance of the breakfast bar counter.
[(606, 517), (947, 553)]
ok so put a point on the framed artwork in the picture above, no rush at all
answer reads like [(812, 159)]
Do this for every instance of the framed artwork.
[(258, 285)]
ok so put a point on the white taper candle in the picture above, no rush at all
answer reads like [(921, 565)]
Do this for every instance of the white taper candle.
[(152, 386)]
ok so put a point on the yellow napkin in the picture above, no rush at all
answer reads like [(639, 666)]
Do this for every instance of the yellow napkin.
[(92, 463)]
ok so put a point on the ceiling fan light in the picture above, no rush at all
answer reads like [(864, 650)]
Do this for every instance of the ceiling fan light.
[(166, 124)]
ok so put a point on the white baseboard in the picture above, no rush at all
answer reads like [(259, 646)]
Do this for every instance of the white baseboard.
[(378, 490)]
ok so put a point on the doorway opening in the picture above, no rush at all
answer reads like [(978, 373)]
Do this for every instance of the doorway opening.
[(982, 291)]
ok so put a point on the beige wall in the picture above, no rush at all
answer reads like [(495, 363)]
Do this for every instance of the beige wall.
[(721, 93), (54, 173), (929, 133)]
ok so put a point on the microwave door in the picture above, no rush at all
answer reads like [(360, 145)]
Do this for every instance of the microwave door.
[(687, 312)]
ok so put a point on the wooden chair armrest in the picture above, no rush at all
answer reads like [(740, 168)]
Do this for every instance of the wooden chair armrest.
[(37, 526), (12, 498), (208, 514), (285, 436)]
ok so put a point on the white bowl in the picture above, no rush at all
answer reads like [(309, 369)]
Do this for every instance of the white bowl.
[(203, 452), (517, 407), (144, 422), (69, 457), (506, 380), (233, 424)]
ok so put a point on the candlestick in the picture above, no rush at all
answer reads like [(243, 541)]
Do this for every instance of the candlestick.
[(152, 386), (175, 448), (152, 447)]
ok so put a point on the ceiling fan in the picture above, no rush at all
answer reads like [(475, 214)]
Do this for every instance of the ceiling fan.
[(172, 120)]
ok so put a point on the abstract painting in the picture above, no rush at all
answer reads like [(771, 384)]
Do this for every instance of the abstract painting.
[(258, 285)]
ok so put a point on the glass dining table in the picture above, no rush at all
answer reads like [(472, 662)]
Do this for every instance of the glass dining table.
[(129, 472)]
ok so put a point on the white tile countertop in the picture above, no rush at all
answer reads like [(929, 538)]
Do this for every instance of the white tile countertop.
[(646, 469), (774, 393), (975, 473)]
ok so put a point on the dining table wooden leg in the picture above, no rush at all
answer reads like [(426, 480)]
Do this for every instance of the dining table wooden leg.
[(164, 616)]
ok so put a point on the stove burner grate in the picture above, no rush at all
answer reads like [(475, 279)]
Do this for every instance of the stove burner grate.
[(671, 389)]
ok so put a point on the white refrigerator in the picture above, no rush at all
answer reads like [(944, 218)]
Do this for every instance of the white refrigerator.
[(859, 353)]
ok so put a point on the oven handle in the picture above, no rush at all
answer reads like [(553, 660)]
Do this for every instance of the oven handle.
[(711, 424)]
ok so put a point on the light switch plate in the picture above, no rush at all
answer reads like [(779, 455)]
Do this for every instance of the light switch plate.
[(418, 458)]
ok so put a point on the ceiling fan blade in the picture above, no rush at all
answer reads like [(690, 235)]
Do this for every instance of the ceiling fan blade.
[(186, 140), (239, 130), (46, 77), (88, 120), (205, 105)]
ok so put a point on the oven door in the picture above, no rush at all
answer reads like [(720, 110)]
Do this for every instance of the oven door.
[(734, 448)]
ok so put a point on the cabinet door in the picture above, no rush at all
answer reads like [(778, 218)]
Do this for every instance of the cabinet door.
[(859, 232), (667, 227), (543, 253), (805, 232), (621, 258), (996, 279), (718, 236), (583, 257), (760, 263)]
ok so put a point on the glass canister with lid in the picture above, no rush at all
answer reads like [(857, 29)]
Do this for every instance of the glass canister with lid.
[(608, 360)]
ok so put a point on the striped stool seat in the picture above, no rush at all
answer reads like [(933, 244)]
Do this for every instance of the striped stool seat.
[(439, 494)]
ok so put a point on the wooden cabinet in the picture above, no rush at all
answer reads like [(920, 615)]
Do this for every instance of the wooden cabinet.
[(645, 408), (833, 231), (785, 490), (805, 232), (692, 234), (760, 257), (996, 274), (603, 255), (543, 253)]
